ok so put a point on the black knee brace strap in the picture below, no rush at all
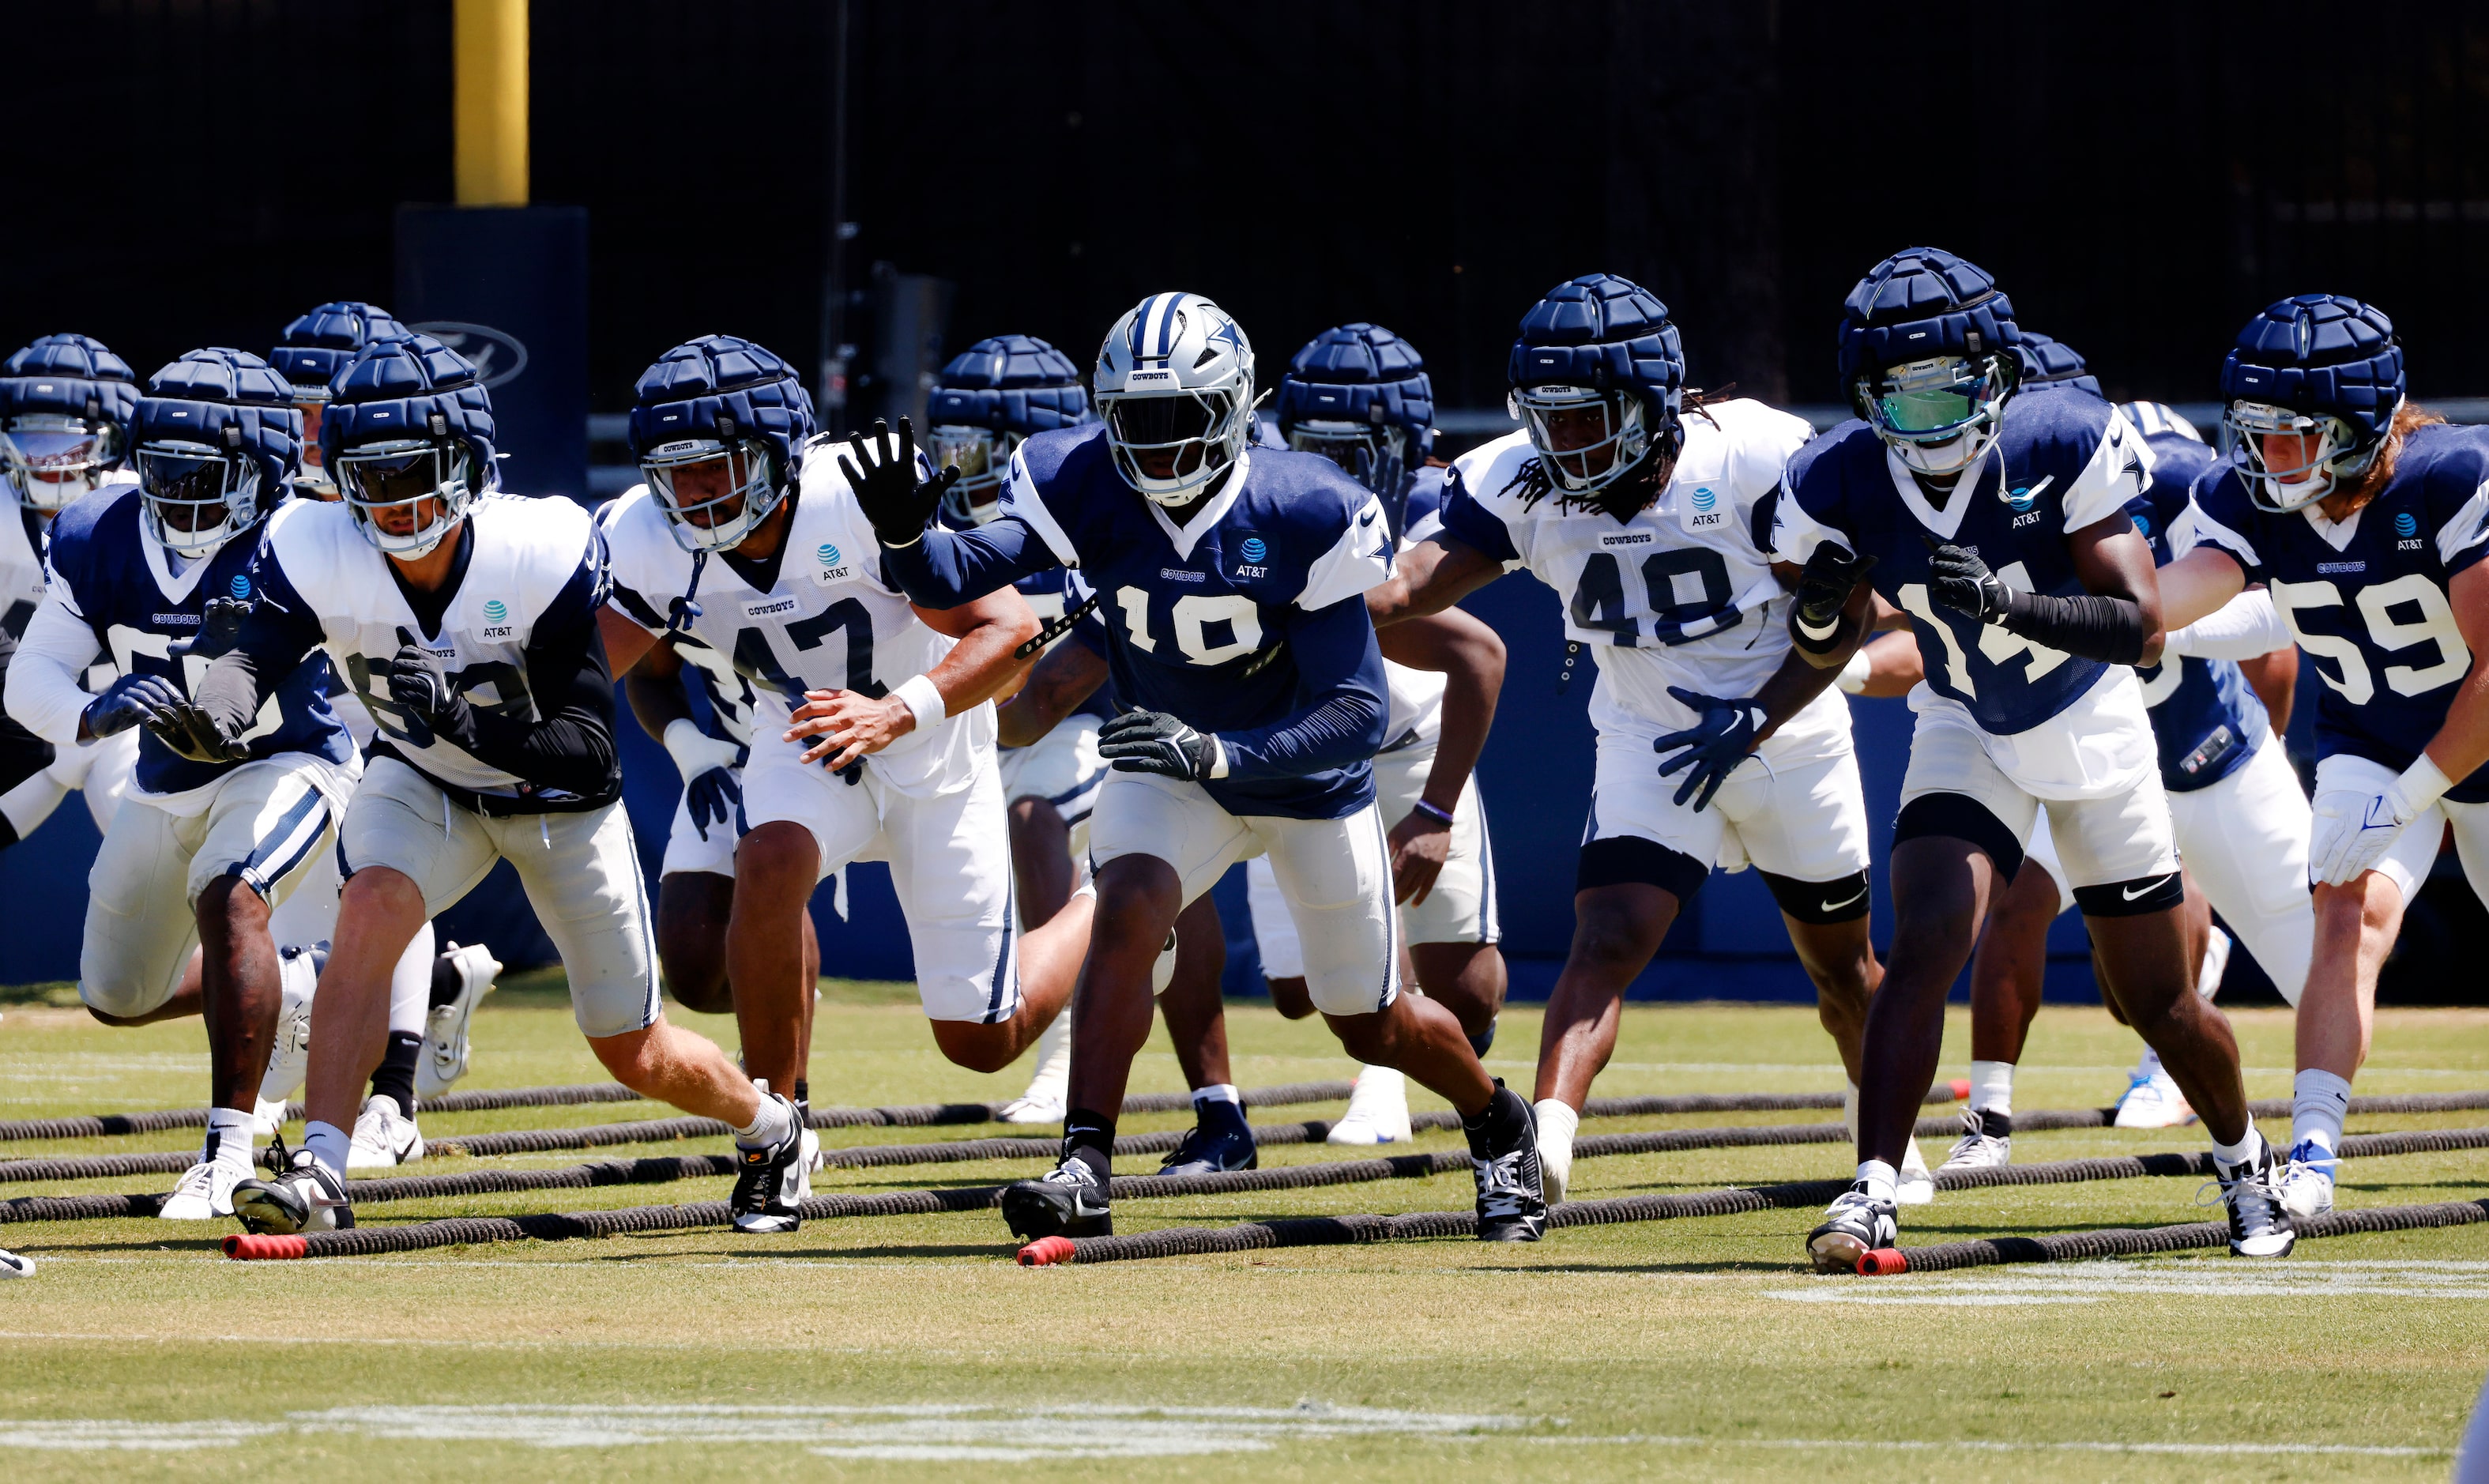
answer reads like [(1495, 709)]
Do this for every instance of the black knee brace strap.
[(1960, 816), (1843, 900), (1620, 860), (2139, 898)]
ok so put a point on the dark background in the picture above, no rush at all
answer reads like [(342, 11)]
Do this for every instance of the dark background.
[(2140, 179)]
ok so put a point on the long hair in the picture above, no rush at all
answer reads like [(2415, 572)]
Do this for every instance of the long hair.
[(1533, 483), (2380, 469)]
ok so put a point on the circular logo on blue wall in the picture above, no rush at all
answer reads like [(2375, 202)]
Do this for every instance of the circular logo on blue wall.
[(829, 554), (241, 586), (1254, 549), (495, 353), (2404, 524), (495, 613), (1704, 498)]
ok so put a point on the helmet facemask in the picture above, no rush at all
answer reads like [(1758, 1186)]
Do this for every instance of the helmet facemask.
[(51, 460), (1195, 433), (713, 491), (1940, 415), (401, 476), (312, 477), (983, 457), (195, 497), (2289, 460), (1586, 439)]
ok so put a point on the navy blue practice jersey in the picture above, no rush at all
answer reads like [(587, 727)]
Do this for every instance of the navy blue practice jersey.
[(112, 576), (2368, 597), (2205, 716), (2064, 459)]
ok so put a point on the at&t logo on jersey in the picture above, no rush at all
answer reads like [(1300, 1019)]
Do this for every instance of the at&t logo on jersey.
[(1702, 509), (2021, 498), (827, 555), (241, 586), (2407, 528), (497, 619), (1253, 552)]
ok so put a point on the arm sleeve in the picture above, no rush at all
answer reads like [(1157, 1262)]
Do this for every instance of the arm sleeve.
[(280, 632), (1336, 657), (2087, 624), (43, 694), (2244, 628), (951, 568), (569, 743)]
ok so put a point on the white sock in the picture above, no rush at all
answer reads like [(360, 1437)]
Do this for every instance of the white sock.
[(410, 984), (1557, 1122), (769, 1124), (2250, 1144), (328, 1143), (1991, 1087), (229, 1131), (1216, 1092), (1878, 1178), (2318, 1099), (2150, 1066)]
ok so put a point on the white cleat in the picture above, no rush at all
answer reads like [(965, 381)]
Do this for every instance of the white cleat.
[(204, 1191), (1043, 1101), (384, 1138), (444, 1029), (2307, 1181), (266, 1118), (2152, 1098), (1377, 1110), (1986, 1142), (1915, 1184), (298, 975), (2259, 1226), (12, 1265)]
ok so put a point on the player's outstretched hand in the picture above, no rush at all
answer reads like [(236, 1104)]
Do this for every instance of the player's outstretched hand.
[(1823, 587), (1958, 580), (1420, 845), (1710, 749), (885, 484), (1154, 742), (131, 701), (850, 725), (191, 732), (219, 626)]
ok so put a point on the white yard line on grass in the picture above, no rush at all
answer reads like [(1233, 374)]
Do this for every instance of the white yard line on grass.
[(1989, 1446), (2093, 1282)]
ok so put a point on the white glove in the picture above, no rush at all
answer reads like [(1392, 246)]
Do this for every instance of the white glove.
[(2352, 830), (694, 751)]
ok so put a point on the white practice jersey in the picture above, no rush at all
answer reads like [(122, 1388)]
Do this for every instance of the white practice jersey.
[(1416, 718), (1683, 593), (824, 620), (730, 696), (532, 564)]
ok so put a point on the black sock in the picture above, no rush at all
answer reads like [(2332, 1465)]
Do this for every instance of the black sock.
[(1500, 1120), (1091, 1137), (1483, 1039), (1995, 1125), (445, 980), (804, 1091), (395, 1078)]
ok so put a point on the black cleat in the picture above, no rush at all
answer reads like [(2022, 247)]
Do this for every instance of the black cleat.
[(1068, 1201), (1504, 1160), (302, 1198), (2260, 1226), (770, 1186), (1856, 1225), (1222, 1141)]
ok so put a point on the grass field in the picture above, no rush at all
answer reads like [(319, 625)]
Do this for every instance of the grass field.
[(914, 1348)]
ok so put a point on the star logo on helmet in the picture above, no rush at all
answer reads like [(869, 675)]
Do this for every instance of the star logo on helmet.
[(1232, 334)]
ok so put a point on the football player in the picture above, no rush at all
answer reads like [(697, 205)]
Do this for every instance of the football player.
[(432, 995), (1233, 582), (204, 847), (1998, 520), (985, 402), (1650, 519), (2367, 519), (65, 405), (467, 622)]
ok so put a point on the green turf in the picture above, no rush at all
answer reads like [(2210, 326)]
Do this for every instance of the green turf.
[(912, 1347)]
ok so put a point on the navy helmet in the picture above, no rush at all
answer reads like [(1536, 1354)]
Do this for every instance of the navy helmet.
[(1358, 394), (718, 426), (315, 348), (65, 405), (216, 442), (1597, 346), (1927, 354), (2309, 394), (2043, 360), (407, 421), (991, 395)]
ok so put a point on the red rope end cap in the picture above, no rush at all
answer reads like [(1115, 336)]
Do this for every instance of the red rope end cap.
[(1882, 1263), (1961, 1089), (245, 1248), (1046, 1252)]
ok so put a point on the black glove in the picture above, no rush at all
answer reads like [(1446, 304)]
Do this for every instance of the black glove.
[(1381, 475), (1823, 591), (1958, 580), (1154, 742), (1713, 746), (219, 625), (713, 798), (420, 684), (897, 507), (191, 732), (129, 701)]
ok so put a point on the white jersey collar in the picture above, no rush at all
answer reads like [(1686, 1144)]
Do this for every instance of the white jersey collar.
[(1184, 538), (2336, 535), (1947, 521)]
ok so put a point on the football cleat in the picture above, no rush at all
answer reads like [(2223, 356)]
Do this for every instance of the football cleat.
[(1377, 1110), (2152, 1098), (444, 1029), (1914, 1185), (266, 1118), (297, 976), (304, 1197), (2259, 1226), (205, 1190), (1986, 1142), (1043, 1101), (771, 1186), (12, 1265), (1512, 1184), (384, 1138), (1855, 1225), (1068, 1201), (1213, 1150), (2308, 1180)]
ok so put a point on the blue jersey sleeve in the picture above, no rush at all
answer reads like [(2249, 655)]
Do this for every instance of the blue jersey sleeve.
[(1473, 524), (2220, 514), (947, 568), (1341, 670)]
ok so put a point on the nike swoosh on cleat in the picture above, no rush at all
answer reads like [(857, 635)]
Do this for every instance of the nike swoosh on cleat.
[(1834, 906), (2132, 892)]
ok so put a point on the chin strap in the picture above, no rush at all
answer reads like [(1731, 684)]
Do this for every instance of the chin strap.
[(683, 612)]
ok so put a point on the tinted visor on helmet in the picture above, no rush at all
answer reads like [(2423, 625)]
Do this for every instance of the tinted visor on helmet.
[(52, 459), (194, 494), (406, 493), (713, 491), (2289, 459), (1934, 400), (1585, 438)]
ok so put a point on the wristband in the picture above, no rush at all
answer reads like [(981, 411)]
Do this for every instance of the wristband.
[(923, 697), (694, 750), (1439, 816), (2423, 784), (1218, 756), (1854, 676)]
